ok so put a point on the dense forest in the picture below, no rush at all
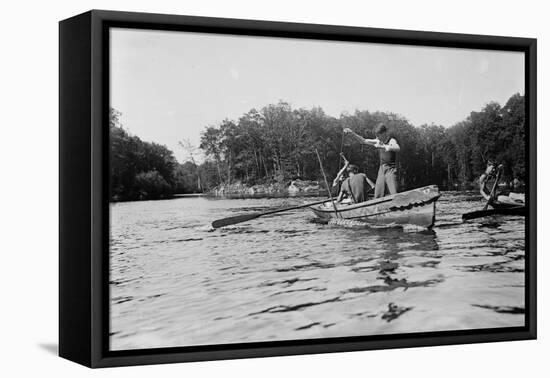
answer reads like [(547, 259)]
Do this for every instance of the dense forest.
[(277, 143)]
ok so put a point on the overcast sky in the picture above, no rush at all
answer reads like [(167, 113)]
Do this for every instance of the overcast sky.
[(170, 85)]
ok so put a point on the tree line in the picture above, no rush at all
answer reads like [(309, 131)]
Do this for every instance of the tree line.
[(144, 170), (278, 143)]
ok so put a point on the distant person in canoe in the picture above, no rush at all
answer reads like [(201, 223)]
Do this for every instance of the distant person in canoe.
[(498, 200), (388, 149), (355, 186)]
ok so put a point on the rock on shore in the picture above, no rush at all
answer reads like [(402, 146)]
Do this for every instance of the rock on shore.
[(294, 187)]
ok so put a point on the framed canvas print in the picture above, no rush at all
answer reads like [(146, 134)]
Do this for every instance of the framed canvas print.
[(234, 188)]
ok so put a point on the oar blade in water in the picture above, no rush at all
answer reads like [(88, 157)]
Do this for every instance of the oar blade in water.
[(234, 220)]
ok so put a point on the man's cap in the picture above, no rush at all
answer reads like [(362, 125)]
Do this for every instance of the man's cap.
[(353, 168), (380, 128)]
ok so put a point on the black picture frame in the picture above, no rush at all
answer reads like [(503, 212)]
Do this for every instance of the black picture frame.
[(83, 181)]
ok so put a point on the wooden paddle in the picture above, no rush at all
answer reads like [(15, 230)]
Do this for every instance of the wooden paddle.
[(326, 185), (519, 210), (246, 217)]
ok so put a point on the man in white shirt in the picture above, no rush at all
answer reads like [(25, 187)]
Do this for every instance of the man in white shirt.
[(387, 149)]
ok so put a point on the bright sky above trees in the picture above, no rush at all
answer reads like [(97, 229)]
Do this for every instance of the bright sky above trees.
[(170, 85)]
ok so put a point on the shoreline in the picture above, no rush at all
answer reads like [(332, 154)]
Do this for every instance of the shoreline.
[(189, 195), (241, 191)]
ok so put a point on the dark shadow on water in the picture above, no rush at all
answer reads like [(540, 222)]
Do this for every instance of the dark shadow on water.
[(394, 311), (393, 284), (497, 267), (51, 348), (448, 224), (285, 308), (489, 224), (503, 309), (305, 267)]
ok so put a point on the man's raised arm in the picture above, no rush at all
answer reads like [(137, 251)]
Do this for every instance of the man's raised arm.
[(359, 138), (346, 164)]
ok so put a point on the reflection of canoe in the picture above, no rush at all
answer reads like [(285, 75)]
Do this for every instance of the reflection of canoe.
[(414, 207)]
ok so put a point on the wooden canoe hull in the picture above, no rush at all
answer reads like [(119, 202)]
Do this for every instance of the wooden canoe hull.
[(414, 207), (503, 205), (518, 210)]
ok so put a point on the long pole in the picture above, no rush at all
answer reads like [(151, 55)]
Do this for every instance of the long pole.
[(340, 159), (326, 184), (246, 217), (492, 194), (341, 148)]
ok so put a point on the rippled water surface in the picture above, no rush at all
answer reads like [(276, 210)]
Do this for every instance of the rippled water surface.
[(175, 282)]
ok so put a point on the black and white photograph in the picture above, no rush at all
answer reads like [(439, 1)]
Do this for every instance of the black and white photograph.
[(271, 189)]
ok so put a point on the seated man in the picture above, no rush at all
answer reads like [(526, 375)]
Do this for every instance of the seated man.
[(354, 186), (492, 170)]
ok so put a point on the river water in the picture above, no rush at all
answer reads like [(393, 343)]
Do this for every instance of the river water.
[(176, 282)]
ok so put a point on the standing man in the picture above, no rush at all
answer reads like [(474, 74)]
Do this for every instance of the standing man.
[(387, 150)]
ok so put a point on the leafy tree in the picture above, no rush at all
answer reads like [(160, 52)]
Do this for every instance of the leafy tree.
[(139, 170), (151, 185), (211, 140), (191, 152), (278, 143)]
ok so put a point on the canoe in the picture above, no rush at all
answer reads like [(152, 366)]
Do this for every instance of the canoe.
[(508, 208), (518, 210), (498, 208), (414, 207), (499, 205)]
